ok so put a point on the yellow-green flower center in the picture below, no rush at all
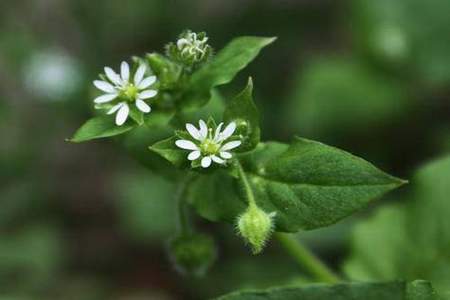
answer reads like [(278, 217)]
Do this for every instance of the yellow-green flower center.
[(130, 91), (208, 146)]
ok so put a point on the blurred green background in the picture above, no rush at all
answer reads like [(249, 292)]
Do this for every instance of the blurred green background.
[(87, 222)]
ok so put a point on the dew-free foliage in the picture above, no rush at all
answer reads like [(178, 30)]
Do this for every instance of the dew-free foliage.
[(415, 235)]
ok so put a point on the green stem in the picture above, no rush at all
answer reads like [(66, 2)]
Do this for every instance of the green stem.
[(184, 224), (305, 258), (246, 184)]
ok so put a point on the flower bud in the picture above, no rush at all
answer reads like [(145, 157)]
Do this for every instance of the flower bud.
[(190, 49), (255, 226), (192, 253)]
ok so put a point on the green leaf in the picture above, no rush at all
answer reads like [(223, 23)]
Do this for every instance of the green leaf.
[(167, 149), (222, 68), (242, 110), (336, 96), (99, 127), (168, 72), (416, 290), (410, 240), (308, 184), (216, 197)]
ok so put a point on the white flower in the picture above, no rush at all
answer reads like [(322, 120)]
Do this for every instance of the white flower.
[(120, 86), (210, 147), (191, 46)]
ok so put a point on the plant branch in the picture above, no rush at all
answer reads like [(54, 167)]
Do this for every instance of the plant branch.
[(306, 259), (246, 184), (184, 224)]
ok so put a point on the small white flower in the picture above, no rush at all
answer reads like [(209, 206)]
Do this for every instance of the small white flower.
[(191, 46), (135, 90), (211, 147)]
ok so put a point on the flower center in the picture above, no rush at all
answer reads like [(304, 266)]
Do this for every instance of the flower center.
[(209, 147), (130, 91)]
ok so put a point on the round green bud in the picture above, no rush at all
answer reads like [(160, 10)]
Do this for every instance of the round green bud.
[(193, 253), (255, 226)]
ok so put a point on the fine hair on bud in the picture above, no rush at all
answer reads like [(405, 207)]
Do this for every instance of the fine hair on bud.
[(255, 226)]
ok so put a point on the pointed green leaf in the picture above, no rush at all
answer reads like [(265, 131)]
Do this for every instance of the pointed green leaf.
[(308, 184), (223, 67), (99, 127), (416, 290), (167, 149), (242, 110)]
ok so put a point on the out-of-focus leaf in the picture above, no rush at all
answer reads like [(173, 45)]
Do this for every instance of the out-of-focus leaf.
[(341, 96), (145, 202), (416, 290), (407, 32), (409, 241)]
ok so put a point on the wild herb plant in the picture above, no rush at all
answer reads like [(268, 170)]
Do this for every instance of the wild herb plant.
[(158, 107)]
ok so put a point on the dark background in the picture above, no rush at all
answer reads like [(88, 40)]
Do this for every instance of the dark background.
[(85, 221)]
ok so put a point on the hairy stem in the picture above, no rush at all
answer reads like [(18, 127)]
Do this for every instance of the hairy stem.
[(246, 184), (306, 259)]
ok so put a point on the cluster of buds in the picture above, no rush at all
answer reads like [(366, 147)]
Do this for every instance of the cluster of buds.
[(190, 49)]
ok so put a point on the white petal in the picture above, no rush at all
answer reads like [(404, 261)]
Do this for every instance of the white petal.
[(125, 71), (139, 74), (230, 145), (104, 86), (142, 106), (122, 114), (147, 94), (194, 155), (228, 131), (217, 159), (181, 43), (115, 108), (193, 132), (217, 133), (203, 129), (146, 82), (105, 98), (185, 144), (206, 161), (226, 155), (113, 76)]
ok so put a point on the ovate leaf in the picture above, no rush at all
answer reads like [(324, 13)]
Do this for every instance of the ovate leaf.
[(223, 67), (308, 184), (167, 149), (416, 290), (242, 110), (99, 127)]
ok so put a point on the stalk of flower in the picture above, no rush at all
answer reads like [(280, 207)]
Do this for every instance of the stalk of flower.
[(209, 145), (125, 91)]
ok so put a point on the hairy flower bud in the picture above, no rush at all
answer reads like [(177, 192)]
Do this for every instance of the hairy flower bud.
[(190, 49), (255, 226), (192, 253)]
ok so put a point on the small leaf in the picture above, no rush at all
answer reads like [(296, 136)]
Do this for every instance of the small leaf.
[(242, 110), (99, 127), (167, 149), (222, 68), (416, 290)]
